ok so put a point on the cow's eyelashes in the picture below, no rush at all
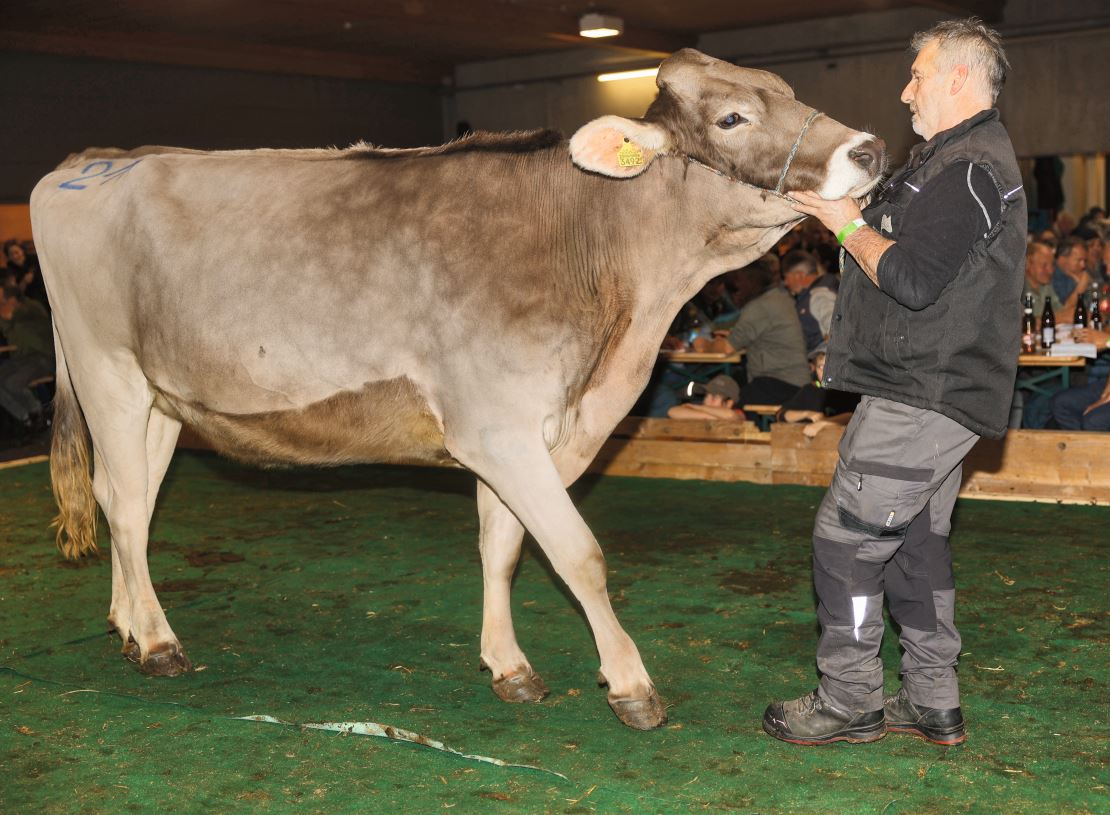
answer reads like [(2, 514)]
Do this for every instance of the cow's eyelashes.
[(730, 121)]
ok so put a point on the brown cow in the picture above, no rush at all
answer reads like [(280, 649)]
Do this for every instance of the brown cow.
[(487, 303)]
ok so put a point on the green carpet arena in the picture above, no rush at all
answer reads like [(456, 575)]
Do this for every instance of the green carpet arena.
[(354, 595)]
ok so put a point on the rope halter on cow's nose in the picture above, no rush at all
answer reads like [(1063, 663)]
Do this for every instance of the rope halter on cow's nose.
[(794, 151), (785, 167)]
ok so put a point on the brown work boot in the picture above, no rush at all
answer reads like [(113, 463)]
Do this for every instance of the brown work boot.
[(812, 720)]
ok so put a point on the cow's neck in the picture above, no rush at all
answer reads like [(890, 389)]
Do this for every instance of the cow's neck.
[(650, 244), (710, 225)]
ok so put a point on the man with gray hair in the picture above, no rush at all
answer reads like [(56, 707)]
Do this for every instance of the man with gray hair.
[(926, 330)]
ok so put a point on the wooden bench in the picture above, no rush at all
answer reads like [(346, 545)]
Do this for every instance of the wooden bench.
[(766, 414)]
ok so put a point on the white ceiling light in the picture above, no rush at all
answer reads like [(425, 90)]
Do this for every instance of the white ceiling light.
[(600, 25), (614, 77)]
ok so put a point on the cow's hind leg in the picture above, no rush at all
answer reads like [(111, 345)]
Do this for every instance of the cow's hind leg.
[(161, 438), (133, 445), (499, 542), (524, 477)]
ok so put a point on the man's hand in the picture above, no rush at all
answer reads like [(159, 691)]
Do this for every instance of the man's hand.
[(1104, 399), (1099, 338), (865, 244), (835, 215)]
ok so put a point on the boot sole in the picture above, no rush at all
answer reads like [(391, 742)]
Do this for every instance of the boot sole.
[(943, 739), (852, 737)]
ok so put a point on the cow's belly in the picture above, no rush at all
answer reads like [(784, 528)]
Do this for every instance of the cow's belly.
[(386, 421)]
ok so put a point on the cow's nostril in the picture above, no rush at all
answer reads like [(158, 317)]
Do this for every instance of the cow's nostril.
[(868, 155)]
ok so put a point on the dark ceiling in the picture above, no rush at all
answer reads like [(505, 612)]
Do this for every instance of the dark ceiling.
[(416, 41)]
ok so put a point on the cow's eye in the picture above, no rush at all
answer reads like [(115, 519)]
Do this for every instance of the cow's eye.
[(730, 121)]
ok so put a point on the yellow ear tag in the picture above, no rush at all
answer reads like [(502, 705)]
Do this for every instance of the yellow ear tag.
[(630, 155)]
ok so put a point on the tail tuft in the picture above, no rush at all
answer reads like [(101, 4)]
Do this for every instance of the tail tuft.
[(70, 472)]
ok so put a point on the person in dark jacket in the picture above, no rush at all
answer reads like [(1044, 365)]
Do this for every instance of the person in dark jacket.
[(925, 329), (25, 325)]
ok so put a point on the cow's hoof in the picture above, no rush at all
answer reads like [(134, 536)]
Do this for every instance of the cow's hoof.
[(170, 661), (640, 714), (522, 687), (131, 650)]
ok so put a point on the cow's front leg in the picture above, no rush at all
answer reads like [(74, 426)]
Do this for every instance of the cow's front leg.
[(523, 475), (499, 541)]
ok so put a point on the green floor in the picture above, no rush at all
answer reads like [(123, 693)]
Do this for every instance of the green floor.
[(355, 595)]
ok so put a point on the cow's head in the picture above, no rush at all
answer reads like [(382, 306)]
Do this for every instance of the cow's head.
[(742, 122)]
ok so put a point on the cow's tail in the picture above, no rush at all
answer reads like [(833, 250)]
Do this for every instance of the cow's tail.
[(70, 467)]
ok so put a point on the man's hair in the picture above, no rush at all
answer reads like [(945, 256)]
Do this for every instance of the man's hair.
[(10, 292), (1033, 246), (968, 42), (799, 257), (1066, 245)]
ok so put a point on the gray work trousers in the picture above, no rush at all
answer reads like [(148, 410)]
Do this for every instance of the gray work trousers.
[(882, 530)]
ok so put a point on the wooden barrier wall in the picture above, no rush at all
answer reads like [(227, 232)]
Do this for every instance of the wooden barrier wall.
[(1028, 465)]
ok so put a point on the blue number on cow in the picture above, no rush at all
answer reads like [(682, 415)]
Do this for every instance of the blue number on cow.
[(105, 171)]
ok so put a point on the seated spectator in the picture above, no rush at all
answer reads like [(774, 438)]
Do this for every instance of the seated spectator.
[(719, 400), (26, 271), (1070, 278), (1038, 278), (814, 295), (1087, 407), (1096, 269), (815, 403), (713, 301), (26, 325), (769, 332)]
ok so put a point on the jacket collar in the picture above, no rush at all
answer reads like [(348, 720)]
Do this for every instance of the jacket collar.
[(924, 151)]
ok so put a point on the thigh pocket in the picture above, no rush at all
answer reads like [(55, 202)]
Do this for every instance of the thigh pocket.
[(880, 499)]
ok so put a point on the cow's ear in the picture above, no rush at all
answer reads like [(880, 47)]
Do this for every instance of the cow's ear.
[(617, 147)]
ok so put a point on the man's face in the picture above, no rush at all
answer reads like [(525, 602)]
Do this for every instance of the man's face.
[(1038, 267), (716, 400), (1094, 252), (1074, 262), (15, 253), (927, 92), (795, 279)]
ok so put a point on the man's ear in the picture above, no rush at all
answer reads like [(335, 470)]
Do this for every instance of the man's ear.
[(617, 147), (959, 77)]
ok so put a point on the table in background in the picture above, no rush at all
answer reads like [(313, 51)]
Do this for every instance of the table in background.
[(1054, 367), (701, 366)]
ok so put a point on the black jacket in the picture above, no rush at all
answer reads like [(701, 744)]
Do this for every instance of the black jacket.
[(951, 346)]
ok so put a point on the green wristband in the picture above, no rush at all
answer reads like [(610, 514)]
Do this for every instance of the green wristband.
[(843, 234)]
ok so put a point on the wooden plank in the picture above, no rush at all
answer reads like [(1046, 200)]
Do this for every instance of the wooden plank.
[(642, 427), (711, 460)]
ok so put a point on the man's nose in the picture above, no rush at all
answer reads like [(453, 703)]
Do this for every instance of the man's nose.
[(869, 155)]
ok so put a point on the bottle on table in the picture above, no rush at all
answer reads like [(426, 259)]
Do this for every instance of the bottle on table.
[(1048, 325), (1096, 308), (1028, 327), (1080, 319)]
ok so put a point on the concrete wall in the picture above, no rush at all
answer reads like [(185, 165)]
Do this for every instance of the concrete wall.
[(1057, 99), (54, 106)]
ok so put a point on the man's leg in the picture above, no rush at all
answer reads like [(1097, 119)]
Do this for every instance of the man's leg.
[(922, 595), (1068, 405), (1097, 419), (892, 459)]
